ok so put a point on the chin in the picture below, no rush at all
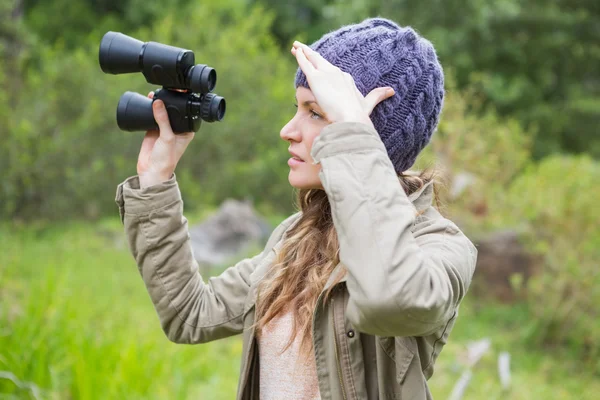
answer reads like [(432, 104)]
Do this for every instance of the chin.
[(302, 182)]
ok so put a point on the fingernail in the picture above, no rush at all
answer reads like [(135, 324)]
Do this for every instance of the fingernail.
[(390, 92)]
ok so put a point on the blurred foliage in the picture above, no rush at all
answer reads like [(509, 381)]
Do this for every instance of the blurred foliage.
[(536, 60), (523, 84), (62, 154), (558, 199), (69, 331), (534, 63), (90, 332), (551, 203), (473, 141), (88, 20)]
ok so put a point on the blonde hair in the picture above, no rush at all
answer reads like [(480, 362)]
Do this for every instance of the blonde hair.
[(305, 261)]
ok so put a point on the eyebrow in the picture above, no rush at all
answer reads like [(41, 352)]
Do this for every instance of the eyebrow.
[(307, 102)]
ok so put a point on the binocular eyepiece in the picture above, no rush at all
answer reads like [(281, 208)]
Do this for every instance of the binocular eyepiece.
[(168, 66)]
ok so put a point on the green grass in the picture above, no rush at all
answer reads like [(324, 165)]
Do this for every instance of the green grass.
[(76, 323)]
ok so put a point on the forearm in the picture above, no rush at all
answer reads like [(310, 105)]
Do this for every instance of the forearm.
[(189, 310), (399, 284)]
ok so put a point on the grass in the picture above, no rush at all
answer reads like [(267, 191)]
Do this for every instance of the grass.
[(76, 323)]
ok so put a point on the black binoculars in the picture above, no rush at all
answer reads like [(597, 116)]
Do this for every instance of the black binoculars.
[(186, 88)]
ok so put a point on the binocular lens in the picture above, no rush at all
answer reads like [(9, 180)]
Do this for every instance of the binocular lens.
[(212, 108), (212, 79), (220, 108), (134, 113), (119, 54), (202, 79)]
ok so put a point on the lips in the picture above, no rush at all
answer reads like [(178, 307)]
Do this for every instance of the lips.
[(296, 156)]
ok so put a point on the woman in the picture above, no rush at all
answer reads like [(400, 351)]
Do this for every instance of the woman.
[(355, 295)]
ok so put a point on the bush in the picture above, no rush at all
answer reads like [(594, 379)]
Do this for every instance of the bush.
[(553, 204), (62, 154), (558, 199), (76, 322), (474, 140)]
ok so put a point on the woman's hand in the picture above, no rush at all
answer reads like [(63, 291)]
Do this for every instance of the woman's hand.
[(335, 90), (161, 149)]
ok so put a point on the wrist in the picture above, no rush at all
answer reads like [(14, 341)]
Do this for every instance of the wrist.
[(152, 178), (357, 118)]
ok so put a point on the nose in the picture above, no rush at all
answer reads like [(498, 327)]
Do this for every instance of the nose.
[(290, 132)]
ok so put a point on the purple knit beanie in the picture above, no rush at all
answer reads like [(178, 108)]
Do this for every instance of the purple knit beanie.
[(377, 52)]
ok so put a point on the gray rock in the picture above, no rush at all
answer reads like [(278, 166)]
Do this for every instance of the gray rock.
[(501, 259), (228, 233), (461, 182)]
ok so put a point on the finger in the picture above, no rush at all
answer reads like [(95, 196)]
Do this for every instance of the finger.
[(314, 57), (376, 96), (162, 119), (306, 66), (151, 95), (148, 141), (187, 135), (182, 143), (359, 96), (352, 83), (146, 149)]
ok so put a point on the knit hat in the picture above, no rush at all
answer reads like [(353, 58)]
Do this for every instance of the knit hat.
[(377, 52)]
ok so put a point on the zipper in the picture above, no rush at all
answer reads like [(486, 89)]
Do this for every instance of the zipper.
[(337, 358)]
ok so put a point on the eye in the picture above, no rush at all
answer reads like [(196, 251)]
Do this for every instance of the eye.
[(315, 115)]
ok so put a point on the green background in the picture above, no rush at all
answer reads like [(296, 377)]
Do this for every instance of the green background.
[(521, 116)]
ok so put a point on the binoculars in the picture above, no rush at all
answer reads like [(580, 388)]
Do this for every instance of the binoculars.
[(186, 88)]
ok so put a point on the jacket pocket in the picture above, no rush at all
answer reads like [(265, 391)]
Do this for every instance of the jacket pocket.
[(400, 351), (395, 365), (403, 357)]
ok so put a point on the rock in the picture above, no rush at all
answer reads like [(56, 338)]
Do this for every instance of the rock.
[(460, 183), (502, 261), (228, 233)]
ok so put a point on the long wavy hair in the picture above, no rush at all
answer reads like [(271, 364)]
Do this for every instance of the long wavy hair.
[(306, 259)]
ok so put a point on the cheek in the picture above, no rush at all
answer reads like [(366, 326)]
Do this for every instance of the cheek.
[(309, 139)]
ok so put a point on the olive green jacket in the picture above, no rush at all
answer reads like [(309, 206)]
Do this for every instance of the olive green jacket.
[(386, 322)]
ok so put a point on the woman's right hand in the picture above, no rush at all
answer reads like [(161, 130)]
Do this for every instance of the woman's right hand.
[(161, 149)]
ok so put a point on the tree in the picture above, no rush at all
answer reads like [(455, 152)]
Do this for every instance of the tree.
[(537, 60), (62, 154)]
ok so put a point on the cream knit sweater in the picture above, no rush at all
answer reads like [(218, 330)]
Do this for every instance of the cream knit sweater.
[(287, 375)]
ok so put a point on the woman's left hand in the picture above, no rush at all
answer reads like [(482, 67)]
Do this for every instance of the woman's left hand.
[(335, 90)]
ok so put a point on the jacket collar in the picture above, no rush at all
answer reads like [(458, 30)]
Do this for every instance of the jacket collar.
[(421, 200)]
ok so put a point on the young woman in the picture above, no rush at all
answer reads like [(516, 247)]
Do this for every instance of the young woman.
[(355, 295)]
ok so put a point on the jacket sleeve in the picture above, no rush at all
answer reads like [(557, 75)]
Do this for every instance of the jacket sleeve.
[(400, 283), (190, 310)]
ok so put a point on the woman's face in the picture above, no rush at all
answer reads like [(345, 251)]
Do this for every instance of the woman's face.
[(300, 132)]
